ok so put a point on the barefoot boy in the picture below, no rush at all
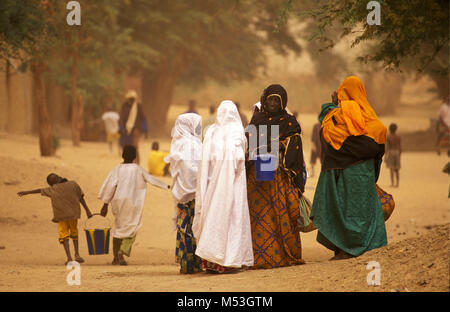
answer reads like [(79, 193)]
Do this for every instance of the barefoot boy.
[(66, 197)]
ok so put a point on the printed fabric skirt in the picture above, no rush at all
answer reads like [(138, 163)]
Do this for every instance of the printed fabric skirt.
[(274, 211), (186, 244)]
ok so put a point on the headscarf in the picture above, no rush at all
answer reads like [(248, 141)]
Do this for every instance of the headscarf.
[(184, 156), (289, 135), (227, 129), (353, 117), (223, 135), (288, 124)]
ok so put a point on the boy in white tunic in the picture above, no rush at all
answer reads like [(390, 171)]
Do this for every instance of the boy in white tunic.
[(125, 188)]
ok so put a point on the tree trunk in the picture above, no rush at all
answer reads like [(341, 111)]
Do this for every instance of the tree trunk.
[(76, 107), (157, 94), (8, 95), (442, 85), (81, 111), (157, 91), (45, 127)]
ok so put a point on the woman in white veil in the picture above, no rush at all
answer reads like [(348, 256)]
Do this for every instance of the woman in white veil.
[(222, 221), (184, 157)]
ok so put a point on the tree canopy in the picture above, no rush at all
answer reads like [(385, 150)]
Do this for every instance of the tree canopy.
[(413, 35), (21, 25), (167, 43), (200, 40)]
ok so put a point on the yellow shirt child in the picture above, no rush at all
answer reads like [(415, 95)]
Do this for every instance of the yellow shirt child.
[(156, 164)]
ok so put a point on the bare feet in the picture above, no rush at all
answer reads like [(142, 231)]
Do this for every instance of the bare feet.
[(341, 255), (121, 259), (79, 259)]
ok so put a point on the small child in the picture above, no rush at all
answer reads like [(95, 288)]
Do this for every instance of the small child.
[(393, 152), (156, 164), (66, 197)]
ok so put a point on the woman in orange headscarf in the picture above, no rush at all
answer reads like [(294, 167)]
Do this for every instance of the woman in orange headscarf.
[(347, 210)]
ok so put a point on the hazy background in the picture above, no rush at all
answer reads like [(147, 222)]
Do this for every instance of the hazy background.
[(210, 51)]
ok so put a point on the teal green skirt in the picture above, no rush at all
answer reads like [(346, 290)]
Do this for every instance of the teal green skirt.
[(347, 210)]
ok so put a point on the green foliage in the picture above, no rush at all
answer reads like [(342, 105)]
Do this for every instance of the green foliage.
[(413, 34), (207, 39), (21, 24), (194, 41), (103, 49)]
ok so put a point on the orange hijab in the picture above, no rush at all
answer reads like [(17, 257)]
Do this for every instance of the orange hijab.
[(354, 116)]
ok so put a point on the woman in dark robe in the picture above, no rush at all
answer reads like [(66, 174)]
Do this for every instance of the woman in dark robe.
[(274, 205), (132, 122)]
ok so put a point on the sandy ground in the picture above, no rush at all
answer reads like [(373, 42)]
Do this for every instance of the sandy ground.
[(31, 259)]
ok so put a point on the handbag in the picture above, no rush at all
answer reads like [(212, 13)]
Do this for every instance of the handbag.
[(387, 202), (304, 222)]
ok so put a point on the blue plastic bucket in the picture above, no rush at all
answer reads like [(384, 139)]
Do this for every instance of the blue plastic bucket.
[(265, 166), (98, 240)]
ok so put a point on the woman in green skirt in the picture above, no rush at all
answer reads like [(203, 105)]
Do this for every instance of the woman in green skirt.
[(346, 209)]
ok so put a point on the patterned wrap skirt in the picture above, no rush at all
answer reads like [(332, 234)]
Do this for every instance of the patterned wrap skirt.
[(186, 244), (274, 211)]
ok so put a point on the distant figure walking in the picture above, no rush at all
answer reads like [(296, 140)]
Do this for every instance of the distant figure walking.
[(211, 119), (446, 170), (393, 152), (244, 119), (111, 120), (132, 122), (443, 127), (192, 107), (316, 150)]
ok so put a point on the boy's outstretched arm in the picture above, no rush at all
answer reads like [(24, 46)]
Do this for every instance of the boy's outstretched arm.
[(23, 193), (83, 202)]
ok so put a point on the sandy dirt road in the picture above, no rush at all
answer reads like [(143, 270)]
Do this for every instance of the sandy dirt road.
[(31, 259)]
